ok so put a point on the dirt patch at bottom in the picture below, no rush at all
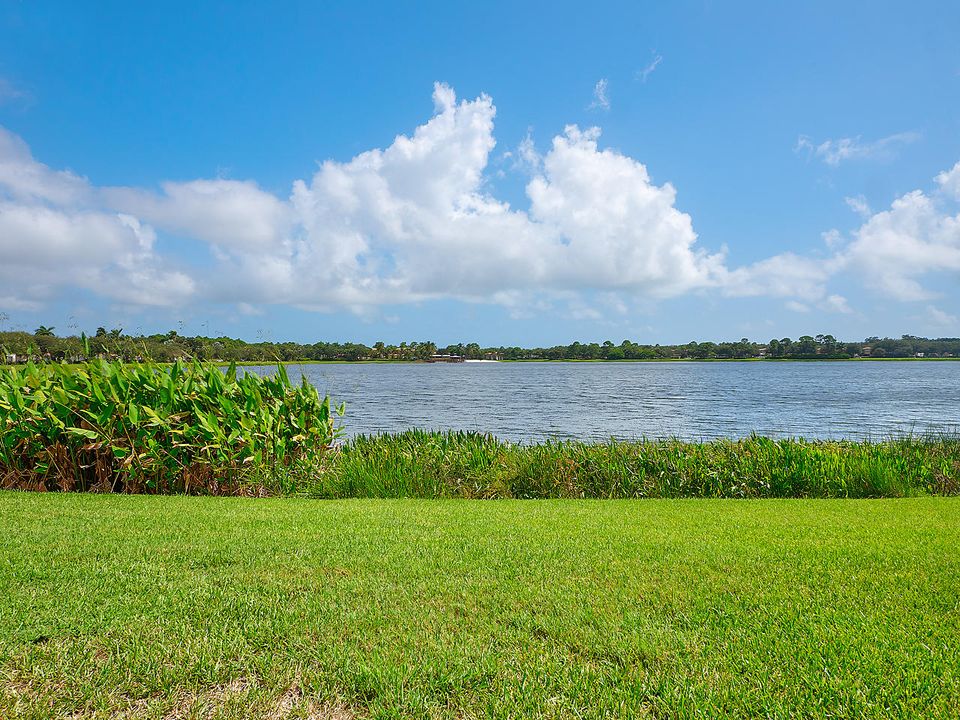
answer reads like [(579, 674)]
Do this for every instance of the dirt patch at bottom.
[(240, 698)]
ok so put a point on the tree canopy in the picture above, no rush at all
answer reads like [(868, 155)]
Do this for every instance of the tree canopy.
[(164, 347)]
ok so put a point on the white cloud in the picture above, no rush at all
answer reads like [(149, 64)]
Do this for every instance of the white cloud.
[(245, 308), (530, 161), (55, 235), (612, 227), (414, 221), (836, 304), (600, 98), (417, 220), (940, 318), (643, 74), (830, 304), (410, 222), (785, 275), (894, 249), (834, 152), (579, 310), (222, 212), (26, 180), (949, 182), (859, 205), (12, 302), (46, 249)]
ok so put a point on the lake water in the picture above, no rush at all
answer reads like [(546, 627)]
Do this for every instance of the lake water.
[(690, 400)]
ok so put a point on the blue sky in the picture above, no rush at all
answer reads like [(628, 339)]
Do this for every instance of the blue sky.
[(510, 175)]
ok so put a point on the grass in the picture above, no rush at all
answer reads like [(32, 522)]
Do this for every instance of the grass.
[(176, 607), (472, 465)]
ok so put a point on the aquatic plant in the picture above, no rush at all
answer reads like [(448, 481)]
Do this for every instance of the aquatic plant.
[(183, 428)]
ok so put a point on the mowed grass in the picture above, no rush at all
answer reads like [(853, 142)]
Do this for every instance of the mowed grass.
[(169, 607)]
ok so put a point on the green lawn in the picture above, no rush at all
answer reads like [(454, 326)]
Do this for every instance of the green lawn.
[(176, 607)]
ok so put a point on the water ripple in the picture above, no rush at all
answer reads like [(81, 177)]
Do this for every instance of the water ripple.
[(596, 401)]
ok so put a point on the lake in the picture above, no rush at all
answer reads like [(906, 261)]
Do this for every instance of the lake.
[(690, 400)]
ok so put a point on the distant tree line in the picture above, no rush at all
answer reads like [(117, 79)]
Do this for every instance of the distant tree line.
[(45, 344)]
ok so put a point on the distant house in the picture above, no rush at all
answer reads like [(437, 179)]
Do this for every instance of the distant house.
[(445, 359), (491, 356), (920, 355), (10, 359)]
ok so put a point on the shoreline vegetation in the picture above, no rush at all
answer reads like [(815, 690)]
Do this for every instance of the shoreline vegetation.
[(259, 363), (424, 464), (44, 345), (195, 428)]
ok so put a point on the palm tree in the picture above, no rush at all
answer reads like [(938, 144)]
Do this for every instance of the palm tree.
[(44, 331)]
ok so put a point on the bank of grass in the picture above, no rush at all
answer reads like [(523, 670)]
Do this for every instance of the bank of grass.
[(176, 607), (473, 465)]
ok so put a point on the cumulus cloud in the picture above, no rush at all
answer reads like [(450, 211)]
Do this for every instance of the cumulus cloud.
[(54, 234), (949, 182), (410, 222), (895, 249), (417, 220), (414, 221), (834, 152), (221, 212), (612, 227)]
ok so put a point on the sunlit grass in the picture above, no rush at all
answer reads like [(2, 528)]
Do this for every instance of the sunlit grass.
[(172, 607), (460, 464)]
